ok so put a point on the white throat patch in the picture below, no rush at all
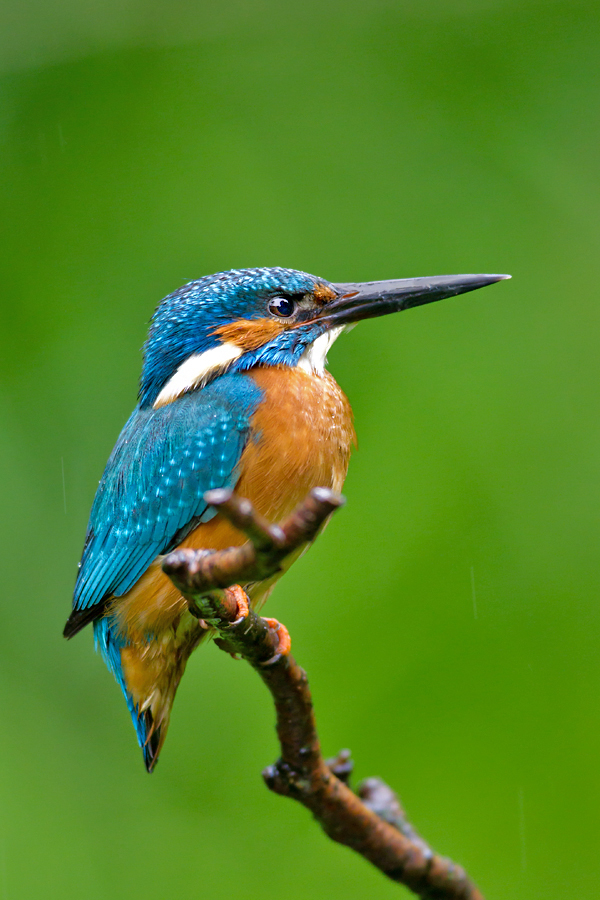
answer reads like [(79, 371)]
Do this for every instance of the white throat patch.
[(314, 358), (194, 372)]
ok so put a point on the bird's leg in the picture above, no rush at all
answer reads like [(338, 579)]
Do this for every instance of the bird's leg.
[(240, 597), (274, 640), (283, 636), (237, 593)]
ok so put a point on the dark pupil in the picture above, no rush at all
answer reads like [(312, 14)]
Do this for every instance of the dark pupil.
[(282, 307)]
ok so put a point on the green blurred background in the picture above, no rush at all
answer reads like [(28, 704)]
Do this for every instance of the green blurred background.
[(448, 618)]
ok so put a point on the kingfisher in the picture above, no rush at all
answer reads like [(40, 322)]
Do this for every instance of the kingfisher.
[(233, 393)]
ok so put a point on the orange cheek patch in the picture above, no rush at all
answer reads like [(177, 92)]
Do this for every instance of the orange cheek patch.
[(250, 334), (323, 294)]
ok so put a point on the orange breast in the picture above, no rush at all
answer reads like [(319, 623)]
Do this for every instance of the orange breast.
[(302, 437)]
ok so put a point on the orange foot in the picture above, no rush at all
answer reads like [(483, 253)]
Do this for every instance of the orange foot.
[(283, 636), (238, 594)]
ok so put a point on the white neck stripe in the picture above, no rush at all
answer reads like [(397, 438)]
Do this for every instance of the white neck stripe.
[(194, 372)]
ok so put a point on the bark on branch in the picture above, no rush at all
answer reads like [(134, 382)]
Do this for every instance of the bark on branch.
[(370, 821)]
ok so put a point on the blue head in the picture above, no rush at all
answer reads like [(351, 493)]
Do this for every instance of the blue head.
[(239, 319)]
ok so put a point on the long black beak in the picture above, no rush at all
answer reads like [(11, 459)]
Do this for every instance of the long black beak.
[(378, 298)]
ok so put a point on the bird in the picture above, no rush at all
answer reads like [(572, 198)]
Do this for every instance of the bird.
[(234, 393)]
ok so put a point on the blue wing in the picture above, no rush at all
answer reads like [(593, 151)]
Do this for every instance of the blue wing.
[(151, 493)]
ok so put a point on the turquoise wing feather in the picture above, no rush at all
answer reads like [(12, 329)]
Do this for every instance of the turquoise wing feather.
[(151, 493)]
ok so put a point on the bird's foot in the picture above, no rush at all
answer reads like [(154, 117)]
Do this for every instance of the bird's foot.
[(237, 599), (284, 640), (239, 595)]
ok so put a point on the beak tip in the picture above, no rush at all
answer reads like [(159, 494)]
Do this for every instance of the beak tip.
[(488, 279)]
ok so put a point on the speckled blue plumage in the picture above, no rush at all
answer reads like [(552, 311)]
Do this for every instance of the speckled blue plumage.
[(184, 321), (152, 489)]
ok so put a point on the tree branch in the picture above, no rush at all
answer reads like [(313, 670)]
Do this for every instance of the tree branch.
[(371, 821)]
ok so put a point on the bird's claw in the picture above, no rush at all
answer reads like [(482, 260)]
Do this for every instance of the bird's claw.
[(284, 641), (238, 596), (237, 593)]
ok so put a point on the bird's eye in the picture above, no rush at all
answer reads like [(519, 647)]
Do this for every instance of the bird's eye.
[(282, 307)]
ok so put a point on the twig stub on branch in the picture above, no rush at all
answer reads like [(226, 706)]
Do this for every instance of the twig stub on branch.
[(196, 572)]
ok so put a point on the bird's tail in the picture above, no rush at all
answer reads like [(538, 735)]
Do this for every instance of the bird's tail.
[(148, 672)]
